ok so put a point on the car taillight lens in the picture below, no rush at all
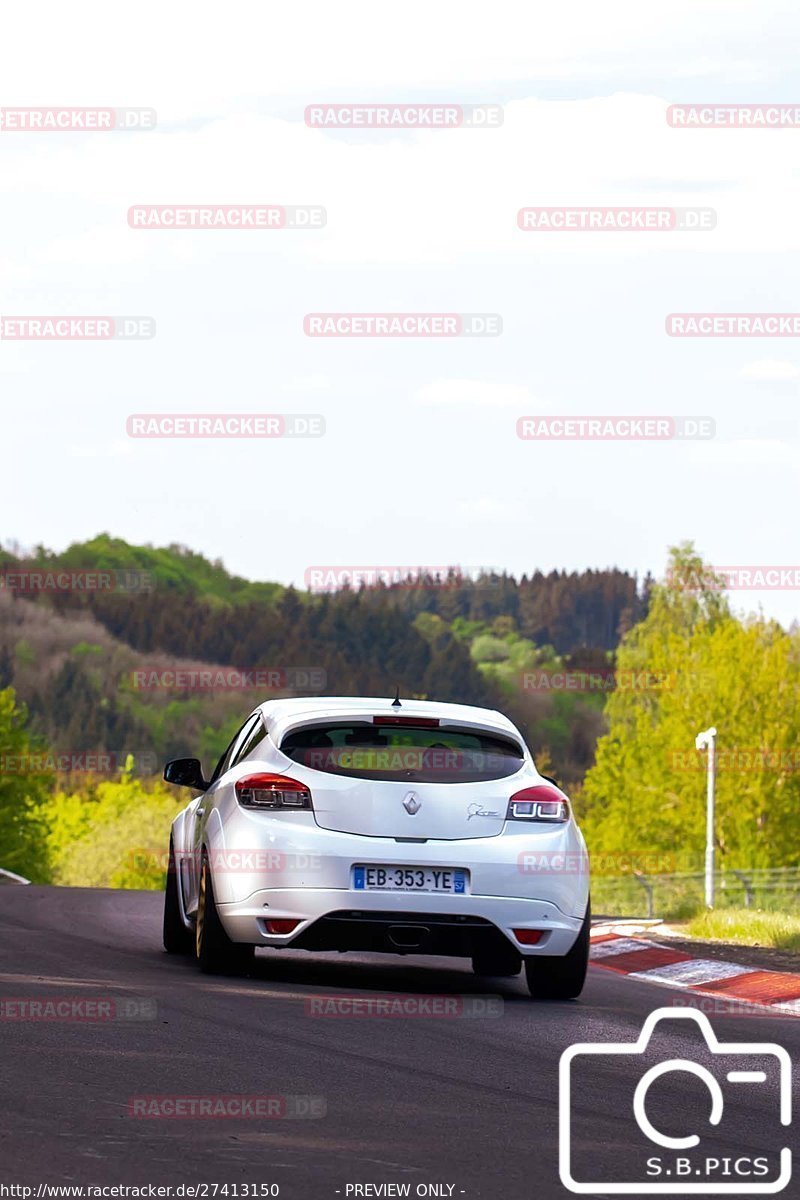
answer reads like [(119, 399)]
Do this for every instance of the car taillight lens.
[(271, 792), (538, 804)]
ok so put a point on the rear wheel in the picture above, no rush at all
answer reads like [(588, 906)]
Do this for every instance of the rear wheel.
[(215, 952), (499, 961), (563, 977), (177, 938)]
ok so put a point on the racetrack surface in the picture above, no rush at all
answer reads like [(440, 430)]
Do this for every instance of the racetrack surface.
[(468, 1102)]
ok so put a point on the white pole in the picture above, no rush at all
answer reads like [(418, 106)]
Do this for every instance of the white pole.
[(707, 741)]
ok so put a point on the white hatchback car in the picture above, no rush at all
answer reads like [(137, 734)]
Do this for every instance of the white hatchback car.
[(383, 826)]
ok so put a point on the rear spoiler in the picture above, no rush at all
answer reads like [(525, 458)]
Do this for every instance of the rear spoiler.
[(281, 728)]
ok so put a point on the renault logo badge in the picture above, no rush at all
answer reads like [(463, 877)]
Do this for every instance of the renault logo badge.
[(411, 804)]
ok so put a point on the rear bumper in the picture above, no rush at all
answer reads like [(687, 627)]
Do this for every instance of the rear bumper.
[(343, 919), (256, 862)]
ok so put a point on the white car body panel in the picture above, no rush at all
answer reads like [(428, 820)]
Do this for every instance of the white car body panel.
[(299, 865)]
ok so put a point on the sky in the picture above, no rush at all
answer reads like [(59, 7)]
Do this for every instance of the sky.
[(420, 462)]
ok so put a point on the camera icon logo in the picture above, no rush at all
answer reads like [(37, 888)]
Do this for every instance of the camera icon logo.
[(670, 1150)]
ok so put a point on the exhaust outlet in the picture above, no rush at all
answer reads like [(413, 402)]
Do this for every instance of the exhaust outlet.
[(407, 937)]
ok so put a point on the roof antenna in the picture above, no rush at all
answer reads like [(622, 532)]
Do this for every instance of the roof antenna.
[(396, 702)]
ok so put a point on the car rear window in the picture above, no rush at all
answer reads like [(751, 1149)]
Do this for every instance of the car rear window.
[(364, 751)]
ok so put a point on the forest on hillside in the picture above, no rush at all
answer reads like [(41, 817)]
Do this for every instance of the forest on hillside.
[(615, 724), (73, 655)]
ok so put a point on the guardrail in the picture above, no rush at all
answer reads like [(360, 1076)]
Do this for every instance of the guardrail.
[(636, 895), (11, 877)]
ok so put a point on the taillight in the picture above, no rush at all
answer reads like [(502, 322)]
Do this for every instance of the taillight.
[(271, 792), (538, 804)]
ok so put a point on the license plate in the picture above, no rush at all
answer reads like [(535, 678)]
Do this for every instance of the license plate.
[(410, 879)]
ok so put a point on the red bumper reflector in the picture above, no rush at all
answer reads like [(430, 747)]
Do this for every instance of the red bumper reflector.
[(281, 925), (528, 937)]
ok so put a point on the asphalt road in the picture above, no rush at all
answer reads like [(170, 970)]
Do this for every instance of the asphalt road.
[(470, 1103)]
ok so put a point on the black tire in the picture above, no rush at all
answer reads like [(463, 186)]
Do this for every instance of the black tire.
[(561, 977), (499, 962), (216, 954), (177, 938)]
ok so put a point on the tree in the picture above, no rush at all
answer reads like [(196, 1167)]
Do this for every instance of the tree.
[(689, 664), (489, 649), (6, 667), (23, 792)]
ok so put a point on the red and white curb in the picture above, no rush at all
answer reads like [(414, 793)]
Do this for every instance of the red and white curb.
[(656, 963)]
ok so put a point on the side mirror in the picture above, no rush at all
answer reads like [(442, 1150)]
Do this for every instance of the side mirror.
[(186, 772)]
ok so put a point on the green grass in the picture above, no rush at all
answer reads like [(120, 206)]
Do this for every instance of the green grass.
[(749, 927)]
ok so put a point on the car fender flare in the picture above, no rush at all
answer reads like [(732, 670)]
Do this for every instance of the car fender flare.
[(179, 832), (215, 844)]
